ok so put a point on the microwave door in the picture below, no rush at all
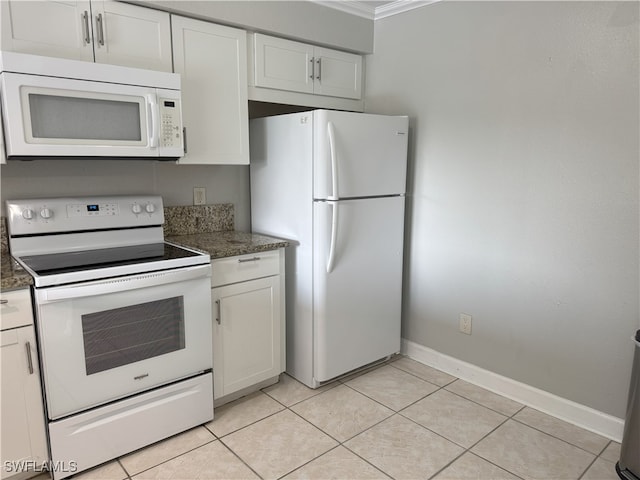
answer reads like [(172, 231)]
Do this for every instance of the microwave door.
[(58, 117)]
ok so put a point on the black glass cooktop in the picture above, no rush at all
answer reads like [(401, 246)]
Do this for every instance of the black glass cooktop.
[(57, 263)]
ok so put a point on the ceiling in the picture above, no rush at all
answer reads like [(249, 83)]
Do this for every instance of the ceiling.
[(374, 9)]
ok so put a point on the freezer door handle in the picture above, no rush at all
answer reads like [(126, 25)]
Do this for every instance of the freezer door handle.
[(334, 162), (334, 235)]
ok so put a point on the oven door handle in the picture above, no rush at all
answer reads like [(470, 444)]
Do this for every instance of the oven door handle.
[(103, 287)]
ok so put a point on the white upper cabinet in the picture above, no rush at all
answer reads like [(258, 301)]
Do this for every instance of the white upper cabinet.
[(212, 61), (298, 67), (56, 29), (104, 31), (131, 36)]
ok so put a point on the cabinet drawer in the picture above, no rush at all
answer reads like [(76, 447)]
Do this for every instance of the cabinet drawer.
[(244, 267), (16, 312)]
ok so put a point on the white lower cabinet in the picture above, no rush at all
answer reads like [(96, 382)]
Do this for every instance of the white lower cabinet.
[(248, 328), (24, 444)]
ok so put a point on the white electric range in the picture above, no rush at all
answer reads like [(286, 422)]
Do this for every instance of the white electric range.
[(123, 322)]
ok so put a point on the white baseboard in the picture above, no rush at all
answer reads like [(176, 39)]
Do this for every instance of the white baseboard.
[(585, 417)]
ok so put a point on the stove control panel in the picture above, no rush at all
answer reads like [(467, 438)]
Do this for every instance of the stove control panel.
[(47, 215)]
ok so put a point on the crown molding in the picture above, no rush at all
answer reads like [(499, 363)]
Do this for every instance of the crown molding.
[(353, 7), (399, 6), (361, 9)]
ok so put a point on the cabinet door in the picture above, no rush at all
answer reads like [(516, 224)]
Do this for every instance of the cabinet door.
[(131, 36), (212, 60), (23, 431), (283, 64), (50, 28), (337, 74), (246, 332)]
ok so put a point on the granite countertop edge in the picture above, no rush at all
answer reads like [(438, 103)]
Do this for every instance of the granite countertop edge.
[(228, 243), (12, 276), (216, 244)]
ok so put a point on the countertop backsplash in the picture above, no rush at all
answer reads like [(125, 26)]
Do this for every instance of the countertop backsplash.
[(4, 241), (191, 219)]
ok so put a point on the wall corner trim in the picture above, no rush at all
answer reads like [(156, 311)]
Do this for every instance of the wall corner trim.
[(580, 415)]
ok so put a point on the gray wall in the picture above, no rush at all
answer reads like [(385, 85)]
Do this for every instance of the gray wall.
[(523, 205), (41, 178), (302, 20)]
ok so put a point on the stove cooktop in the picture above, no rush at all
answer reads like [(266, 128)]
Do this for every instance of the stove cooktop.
[(57, 263), (87, 265)]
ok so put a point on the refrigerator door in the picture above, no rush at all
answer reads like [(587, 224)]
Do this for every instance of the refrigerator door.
[(357, 270), (359, 155)]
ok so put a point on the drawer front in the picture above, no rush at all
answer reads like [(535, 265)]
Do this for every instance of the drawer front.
[(244, 267), (15, 310)]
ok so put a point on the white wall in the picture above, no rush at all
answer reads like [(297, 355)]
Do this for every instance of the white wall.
[(524, 179), (41, 178)]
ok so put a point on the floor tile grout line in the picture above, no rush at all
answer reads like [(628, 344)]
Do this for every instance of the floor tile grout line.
[(299, 401), (588, 468), (477, 402), (220, 437), (468, 449), (424, 379), (556, 437), (387, 406), (164, 461), (228, 447), (122, 467)]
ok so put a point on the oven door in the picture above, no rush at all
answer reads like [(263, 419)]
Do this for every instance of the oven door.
[(104, 340)]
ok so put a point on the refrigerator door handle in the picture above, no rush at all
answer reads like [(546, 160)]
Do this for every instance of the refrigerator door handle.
[(334, 162), (334, 235)]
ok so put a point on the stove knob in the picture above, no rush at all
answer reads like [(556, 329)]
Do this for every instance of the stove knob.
[(46, 213), (150, 208), (27, 214), (136, 208)]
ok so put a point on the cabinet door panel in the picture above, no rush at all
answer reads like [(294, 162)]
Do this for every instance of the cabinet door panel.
[(50, 28), (339, 74), (131, 36), (212, 60), (23, 433), (247, 339), (283, 64)]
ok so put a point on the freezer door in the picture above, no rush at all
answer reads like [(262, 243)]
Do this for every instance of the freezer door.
[(359, 155), (357, 283)]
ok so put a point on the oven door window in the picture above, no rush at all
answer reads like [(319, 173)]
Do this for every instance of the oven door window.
[(120, 336)]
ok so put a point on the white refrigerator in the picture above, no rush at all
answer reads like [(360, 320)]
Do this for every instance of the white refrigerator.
[(333, 183)]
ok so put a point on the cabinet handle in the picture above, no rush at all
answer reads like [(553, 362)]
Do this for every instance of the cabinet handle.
[(319, 68), (4, 302), (218, 311), (100, 27), (312, 68), (85, 28), (184, 139), (245, 260), (29, 359)]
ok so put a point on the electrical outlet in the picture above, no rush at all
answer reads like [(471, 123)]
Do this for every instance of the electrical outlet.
[(199, 195), (465, 323)]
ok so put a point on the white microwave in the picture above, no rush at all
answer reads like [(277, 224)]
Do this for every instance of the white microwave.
[(58, 108)]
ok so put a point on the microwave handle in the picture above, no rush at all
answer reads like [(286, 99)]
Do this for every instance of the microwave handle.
[(152, 118)]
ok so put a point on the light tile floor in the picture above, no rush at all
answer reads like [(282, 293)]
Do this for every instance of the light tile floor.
[(401, 420)]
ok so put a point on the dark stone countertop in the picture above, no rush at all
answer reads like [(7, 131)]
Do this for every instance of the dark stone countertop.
[(217, 244), (228, 243)]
